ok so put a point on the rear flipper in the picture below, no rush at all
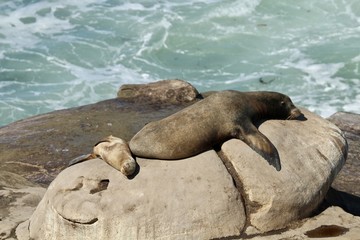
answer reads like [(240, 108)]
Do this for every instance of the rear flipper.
[(82, 158)]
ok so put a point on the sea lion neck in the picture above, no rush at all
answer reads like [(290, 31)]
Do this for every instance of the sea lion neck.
[(259, 105), (268, 105)]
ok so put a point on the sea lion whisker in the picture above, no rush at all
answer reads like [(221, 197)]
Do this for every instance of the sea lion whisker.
[(294, 115)]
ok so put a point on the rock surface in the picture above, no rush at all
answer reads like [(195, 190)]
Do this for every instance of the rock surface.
[(35, 150), (345, 190), (348, 179), (333, 223), (18, 200), (195, 197), (38, 148), (165, 91), (186, 199), (311, 152)]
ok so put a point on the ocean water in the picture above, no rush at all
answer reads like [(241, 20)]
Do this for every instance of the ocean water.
[(60, 54)]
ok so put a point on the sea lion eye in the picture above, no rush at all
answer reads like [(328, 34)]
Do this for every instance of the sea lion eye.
[(282, 103)]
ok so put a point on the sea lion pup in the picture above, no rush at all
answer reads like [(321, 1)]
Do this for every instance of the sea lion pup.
[(213, 120), (113, 151)]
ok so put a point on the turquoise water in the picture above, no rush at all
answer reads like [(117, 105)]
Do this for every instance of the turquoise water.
[(60, 54)]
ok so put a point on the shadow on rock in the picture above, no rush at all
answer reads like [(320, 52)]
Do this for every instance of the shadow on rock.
[(350, 203)]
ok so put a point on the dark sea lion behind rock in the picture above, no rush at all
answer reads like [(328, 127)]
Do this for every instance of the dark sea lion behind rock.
[(213, 120)]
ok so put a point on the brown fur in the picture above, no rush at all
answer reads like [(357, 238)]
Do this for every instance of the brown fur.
[(213, 120)]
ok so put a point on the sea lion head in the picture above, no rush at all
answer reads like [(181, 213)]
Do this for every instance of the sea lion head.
[(279, 106), (116, 153)]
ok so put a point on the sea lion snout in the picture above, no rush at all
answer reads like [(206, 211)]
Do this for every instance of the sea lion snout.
[(128, 167), (294, 113)]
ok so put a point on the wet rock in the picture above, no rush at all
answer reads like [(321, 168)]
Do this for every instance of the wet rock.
[(193, 198), (165, 91), (38, 148), (327, 231), (311, 152)]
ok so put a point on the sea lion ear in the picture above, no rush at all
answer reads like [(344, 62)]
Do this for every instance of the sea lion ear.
[(262, 145)]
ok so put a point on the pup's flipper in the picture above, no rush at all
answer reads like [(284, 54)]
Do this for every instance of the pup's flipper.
[(81, 158)]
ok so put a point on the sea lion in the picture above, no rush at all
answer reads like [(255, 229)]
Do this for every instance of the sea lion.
[(113, 151), (213, 120)]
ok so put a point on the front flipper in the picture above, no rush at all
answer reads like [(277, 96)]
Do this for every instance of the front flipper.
[(262, 145)]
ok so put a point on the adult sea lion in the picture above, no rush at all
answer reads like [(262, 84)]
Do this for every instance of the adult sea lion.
[(213, 120)]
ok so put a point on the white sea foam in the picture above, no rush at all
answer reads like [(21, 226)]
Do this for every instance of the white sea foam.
[(234, 8), (319, 74), (21, 35), (58, 54)]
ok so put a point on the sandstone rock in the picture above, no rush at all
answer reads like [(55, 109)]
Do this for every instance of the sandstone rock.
[(193, 198), (333, 223), (165, 91), (34, 150), (311, 152), (39, 148), (348, 180), (18, 200), (92, 200)]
